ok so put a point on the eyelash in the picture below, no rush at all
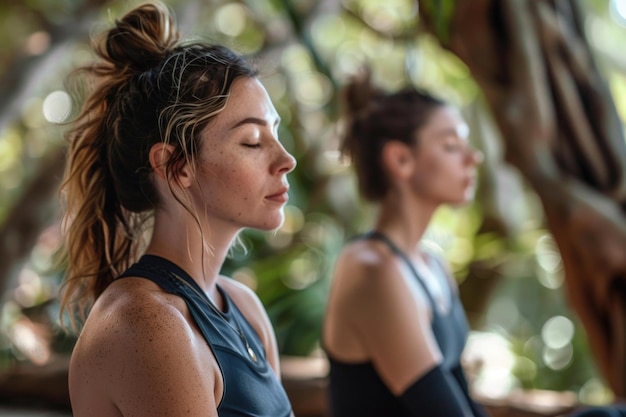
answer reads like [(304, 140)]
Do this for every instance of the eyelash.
[(251, 145)]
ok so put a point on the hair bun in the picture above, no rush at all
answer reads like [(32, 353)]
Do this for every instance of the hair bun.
[(359, 94), (141, 38)]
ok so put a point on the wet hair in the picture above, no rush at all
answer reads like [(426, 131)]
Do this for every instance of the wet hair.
[(375, 117), (145, 87)]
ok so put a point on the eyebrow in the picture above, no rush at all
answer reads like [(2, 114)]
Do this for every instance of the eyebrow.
[(253, 120)]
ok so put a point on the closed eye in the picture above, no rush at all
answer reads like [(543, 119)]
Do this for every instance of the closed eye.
[(452, 147), (251, 145)]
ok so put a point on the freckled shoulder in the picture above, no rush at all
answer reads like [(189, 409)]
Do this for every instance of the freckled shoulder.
[(133, 307), (138, 349)]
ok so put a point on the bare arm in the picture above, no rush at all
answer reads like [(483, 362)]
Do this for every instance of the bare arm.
[(392, 319), (392, 325)]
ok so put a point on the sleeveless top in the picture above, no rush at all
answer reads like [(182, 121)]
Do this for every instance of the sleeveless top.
[(250, 389), (356, 389)]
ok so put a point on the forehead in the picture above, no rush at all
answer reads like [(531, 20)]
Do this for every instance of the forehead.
[(248, 99), (443, 121)]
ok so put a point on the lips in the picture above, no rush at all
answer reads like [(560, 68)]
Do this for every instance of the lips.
[(281, 196)]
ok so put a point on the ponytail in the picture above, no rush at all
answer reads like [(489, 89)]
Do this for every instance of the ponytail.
[(101, 237), (146, 88)]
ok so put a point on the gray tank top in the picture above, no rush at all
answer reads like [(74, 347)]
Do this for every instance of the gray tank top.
[(251, 389)]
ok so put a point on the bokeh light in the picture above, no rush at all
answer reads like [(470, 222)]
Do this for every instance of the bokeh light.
[(618, 11), (313, 89), (230, 19), (10, 149), (557, 359), (303, 272), (557, 332), (57, 107), (594, 392), (493, 352)]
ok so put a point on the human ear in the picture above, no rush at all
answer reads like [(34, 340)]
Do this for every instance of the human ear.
[(397, 159), (159, 156)]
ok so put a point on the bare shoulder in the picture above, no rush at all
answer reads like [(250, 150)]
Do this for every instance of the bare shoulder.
[(366, 267), (375, 314), (137, 343), (130, 319), (134, 308)]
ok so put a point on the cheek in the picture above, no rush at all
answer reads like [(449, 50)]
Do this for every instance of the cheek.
[(428, 170), (227, 183), (439, 175), (215, 167)]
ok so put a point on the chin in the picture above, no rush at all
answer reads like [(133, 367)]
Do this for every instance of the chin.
[(465, 199), (460, 203), (270, 224), (469, 194)]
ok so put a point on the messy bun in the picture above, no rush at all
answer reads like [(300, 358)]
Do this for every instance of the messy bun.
[(359, 94), (141, 39), (373, 118), (144, 89)]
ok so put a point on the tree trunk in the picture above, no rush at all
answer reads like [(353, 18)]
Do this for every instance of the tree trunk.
[(561, 130)]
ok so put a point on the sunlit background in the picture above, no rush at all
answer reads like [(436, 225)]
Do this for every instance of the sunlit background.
[(506, 262)]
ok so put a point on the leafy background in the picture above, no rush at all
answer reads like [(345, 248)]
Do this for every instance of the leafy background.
[(504, 259)]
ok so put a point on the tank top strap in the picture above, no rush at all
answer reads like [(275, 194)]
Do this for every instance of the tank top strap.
[(374, 234), (251, 387), (173, 279), (156, 270), (439, 264)]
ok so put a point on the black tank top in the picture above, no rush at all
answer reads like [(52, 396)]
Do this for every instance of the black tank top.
[(250, 389), (356, 389)]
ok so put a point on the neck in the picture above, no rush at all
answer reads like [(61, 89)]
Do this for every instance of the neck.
[(403, 218), (179, 240)]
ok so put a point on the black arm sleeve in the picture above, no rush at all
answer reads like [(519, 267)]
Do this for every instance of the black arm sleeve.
[(437, 394), (618, 410), (459, 376)]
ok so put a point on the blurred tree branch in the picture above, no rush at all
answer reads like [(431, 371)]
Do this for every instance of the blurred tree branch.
[(27, 73), (562, 132), (34, 210)]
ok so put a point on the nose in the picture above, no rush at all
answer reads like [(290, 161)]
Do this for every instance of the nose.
[(284, 163), (475, 157)]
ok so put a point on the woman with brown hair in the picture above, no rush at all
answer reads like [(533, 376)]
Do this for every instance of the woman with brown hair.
[(178, 142), (395, 328)]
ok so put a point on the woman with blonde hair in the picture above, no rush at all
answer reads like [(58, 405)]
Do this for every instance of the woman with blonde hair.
[(178, 140)]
